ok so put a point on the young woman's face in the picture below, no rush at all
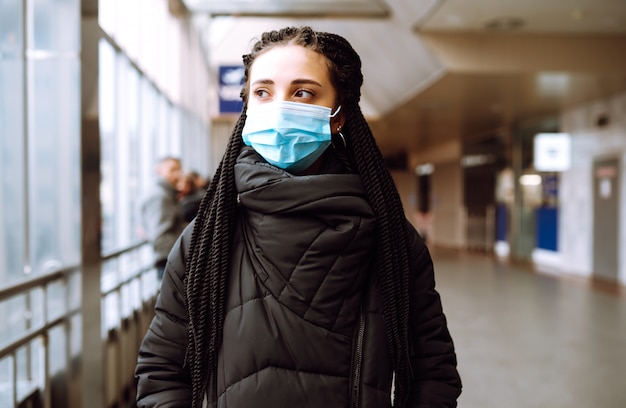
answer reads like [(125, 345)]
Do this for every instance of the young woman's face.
[(295, 74)]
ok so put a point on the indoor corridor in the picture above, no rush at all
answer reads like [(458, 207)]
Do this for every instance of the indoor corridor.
[(527, 339), (502, 123)]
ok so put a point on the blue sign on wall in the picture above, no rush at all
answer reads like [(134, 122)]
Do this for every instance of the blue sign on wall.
[(501, 222), (547, 228), (230, 83), (550, 183)]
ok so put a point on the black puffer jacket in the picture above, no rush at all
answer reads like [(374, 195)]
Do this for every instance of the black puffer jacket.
[(304, 324)]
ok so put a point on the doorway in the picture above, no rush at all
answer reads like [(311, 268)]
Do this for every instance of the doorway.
[(606, 196)]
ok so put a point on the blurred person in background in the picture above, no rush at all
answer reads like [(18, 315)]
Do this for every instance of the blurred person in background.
[(191, 190), (201, 183), (162, 216)]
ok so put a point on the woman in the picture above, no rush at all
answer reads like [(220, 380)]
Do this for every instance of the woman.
[(300, 283)]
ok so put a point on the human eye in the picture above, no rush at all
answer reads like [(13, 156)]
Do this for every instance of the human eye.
[(305, 94), (261, 93)]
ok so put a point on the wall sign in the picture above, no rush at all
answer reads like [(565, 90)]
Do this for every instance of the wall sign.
[(552, 152), (605, 176), (230, 83)]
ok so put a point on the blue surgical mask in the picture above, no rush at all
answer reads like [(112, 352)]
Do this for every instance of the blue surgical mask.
[(289, 135)]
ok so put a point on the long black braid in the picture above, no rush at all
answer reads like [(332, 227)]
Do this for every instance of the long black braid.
[(207, 268), (392, 259), (208, 265)]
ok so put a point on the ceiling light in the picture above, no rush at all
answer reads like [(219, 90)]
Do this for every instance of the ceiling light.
[(424, 169), (474, 160), (454, 20), (291, 8), (530, 180), (504, 24)]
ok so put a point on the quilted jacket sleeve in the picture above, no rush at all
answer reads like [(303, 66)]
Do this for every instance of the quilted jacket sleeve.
[(162, 380), (437, 382)]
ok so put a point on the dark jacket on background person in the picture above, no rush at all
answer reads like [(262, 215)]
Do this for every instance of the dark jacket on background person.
[(304, 323), (191, 203), (162, 219)]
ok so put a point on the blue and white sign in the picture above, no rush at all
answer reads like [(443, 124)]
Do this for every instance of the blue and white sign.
[(230, 83), (552, 152)]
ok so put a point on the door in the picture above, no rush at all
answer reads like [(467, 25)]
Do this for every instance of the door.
[(606, 194)]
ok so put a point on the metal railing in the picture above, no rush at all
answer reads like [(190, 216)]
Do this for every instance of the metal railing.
[(27, 354), (128, 296)]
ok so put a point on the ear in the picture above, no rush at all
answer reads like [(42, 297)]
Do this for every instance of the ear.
[(337, 122)]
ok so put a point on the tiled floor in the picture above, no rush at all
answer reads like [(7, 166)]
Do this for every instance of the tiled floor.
[(530, 340)]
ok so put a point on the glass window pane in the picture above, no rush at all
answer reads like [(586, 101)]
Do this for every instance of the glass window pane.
[(108, 276), (74, 291), (149, 285), (147, 142), (106, 103), (126, 152), (16, 311), (148, 27), (173, 138), (57, 300), (12, 183), (60, 33), (163, 125), (54, 163), (76, 328), (128, 26), (58, 347), (11, 38), (134, 166), (110, 313), (106, 16), (29, 368), (6, 379), (35, 314), (21, 312)]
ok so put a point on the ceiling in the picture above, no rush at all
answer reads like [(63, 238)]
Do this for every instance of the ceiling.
[(441, 70)]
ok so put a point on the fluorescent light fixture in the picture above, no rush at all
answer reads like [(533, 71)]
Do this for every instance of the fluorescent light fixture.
[(530, 180), (424, 169), (474, 160), (553, 84), (291, 8)]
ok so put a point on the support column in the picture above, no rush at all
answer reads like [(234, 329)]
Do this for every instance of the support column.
[(92, 357)]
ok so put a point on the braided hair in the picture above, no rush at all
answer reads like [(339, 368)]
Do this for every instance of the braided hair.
[(208, 263)]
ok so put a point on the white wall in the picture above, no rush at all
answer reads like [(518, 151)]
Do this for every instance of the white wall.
[(221, 130), (406, 183), (448, 213), (589, 141), (446, 222)]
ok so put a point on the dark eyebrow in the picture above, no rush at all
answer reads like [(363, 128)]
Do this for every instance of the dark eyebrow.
[(263, 81), (301, 81), (306, 82)]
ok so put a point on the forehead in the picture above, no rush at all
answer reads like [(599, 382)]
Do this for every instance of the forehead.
[(289, 62)]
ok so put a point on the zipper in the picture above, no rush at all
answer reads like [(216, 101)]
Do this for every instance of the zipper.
[(358, 359)]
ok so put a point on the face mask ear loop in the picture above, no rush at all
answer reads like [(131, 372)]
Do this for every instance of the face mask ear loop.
[(339, 128)]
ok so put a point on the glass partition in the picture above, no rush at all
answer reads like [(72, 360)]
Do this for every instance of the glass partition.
[(54, 160), (12, 145)]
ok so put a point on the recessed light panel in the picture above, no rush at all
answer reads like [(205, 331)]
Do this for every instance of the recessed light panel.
[(291, 8)]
